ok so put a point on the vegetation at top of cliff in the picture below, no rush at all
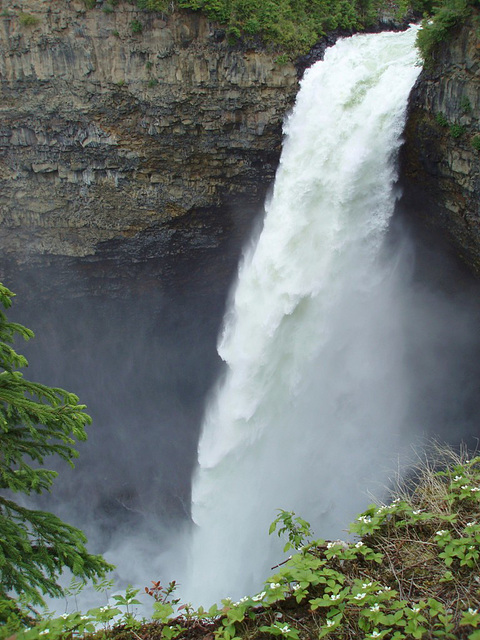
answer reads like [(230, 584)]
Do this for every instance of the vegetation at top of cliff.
[(441, 25), (36, 421), (411, 572), (292, 26)]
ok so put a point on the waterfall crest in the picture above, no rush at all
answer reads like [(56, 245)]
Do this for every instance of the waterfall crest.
[(312, 402)]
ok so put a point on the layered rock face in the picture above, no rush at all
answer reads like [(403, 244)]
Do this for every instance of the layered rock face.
[(114, 123), (441, 157)]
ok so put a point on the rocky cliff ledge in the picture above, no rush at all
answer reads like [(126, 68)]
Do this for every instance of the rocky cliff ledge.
[(109, 128), (441, 157)]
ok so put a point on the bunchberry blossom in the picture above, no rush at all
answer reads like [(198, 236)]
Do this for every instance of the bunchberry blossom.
[(365, 519), (334, 596), (473, 489), (470, 524), (103, 609), (44, 632), (259, 596), (64, 616), (296, 587), (365, 585), (472, 611), (359, 544), (330, 623), (285, 628), (417, 512), (275, 585), (465, 486), (456, 478), (330, 544), (416, 608), (375, 634), (360, 596), (441, 532), (375, 607)]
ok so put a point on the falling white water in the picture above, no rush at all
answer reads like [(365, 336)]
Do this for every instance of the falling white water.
[(312, 404)]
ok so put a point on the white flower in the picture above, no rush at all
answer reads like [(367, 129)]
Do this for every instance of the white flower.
[(64, 616), (259, 596), (330, 623), (84, 618), (475, 489), (275, 585), (330, 544), (334, 596), (365, 519), (296, 587), (470, 524), (103, 609), (44, 632), (456, 478), (376, 607), (360, 596), (441, 532), (465, 486), (416, 608), (359, 544), (365, 585), (375, 634), (472, 611), (285, 628), (416, 512)]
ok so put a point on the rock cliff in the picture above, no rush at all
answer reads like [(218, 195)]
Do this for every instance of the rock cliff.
[(441, 156), (114, 123)]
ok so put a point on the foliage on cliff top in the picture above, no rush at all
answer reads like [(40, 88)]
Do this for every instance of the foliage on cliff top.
[(412, 572), (291, 26), (440, 26)]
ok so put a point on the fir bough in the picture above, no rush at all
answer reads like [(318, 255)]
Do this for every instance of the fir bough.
[(36, 421)]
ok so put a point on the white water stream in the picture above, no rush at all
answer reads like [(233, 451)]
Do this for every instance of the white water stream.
[(311, 411)]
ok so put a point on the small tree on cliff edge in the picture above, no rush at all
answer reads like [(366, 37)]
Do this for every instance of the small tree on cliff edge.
[(35, 421)]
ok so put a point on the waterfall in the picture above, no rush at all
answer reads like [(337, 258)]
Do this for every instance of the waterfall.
[(310, 411)]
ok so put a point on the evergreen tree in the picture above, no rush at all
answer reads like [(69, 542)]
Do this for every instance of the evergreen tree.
[(35, 421)]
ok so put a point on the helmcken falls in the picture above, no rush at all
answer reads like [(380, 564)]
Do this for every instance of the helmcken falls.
[(310, 414)]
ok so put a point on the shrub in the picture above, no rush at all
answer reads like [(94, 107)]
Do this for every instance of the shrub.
[(27, 20), (136, 26), (475, 142), (441, 120), (457, 130), (466, 105)]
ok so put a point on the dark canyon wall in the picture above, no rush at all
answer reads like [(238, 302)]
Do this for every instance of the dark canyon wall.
[(106, 133), (441, 157)]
